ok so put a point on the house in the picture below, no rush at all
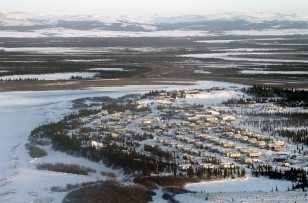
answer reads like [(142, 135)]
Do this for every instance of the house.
[(286, 165), (191, 125), (218, 88), (184, 167), (228, 145), (243, 138), (191, 91), (234, 155), (260, 144), (207, 165), (148, 121), (96, 144), (104, 112), (262, 138), (280, 143), (273, 147), (226, 165), (246, 160), (254, 154), (214, 112), (245, 150), (192, 118), (236, 136), (279, 159), (159, 99), (228, 118), (198, 144), (251, 140), (111, 123), (211, 119)]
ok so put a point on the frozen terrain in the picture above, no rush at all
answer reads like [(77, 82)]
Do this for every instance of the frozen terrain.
[(22, 182), (54, 76), (20, 112)]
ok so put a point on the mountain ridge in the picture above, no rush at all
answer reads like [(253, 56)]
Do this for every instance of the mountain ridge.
[(214, 23)]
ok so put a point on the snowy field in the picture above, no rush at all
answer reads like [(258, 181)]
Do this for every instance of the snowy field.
[(235, 56), (274, 72), (111, 69), (20, 112), (59, 32), (54, 76)]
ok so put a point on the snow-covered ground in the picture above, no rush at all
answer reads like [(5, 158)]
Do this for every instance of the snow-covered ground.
[(250, 184), (53, 76), (274, 72), (236, 56), (202, 71), (58, 32), (111, 69), (20, 112), (273, 32)]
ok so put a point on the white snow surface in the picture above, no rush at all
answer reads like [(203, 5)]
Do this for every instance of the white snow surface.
[(111, 69), (59, 32), (235, 56), (20, 112), (53, 76), (274, 72), (273, 32), (250, 184)]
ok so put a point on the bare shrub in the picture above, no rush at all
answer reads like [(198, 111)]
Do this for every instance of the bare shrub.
[(65, 168), (35, 151)]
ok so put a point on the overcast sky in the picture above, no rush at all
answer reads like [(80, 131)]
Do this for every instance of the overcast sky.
[(150, 7)]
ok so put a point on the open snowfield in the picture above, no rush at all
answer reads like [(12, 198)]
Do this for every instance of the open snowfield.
[(54, 76), (235, 56), (58, 32), (20, 112), (242, 190), (273, 72)]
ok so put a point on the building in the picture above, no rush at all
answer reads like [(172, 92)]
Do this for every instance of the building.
[(228, 118), (234, 155), (254, 154)]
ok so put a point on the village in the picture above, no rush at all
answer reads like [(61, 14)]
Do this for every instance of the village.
[(193, 135)]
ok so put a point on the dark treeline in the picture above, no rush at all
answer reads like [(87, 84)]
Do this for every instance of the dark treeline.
[(299, 136), (296, 175), (289, 97), (109, 191), (152, 93), (122, 74), (65, 168), (278, 122)]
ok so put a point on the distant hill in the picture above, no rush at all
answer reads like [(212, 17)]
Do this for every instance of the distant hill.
[(11, 22)]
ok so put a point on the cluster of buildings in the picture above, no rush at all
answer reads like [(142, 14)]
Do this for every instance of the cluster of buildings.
[(193, 132)]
